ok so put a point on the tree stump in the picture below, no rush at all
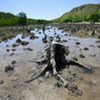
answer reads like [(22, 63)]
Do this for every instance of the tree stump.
[(56, 61)]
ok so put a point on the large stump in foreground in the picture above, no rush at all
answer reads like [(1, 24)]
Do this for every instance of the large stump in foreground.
[(56, 61)]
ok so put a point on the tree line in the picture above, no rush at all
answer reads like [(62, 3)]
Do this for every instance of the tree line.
[(8, 19)]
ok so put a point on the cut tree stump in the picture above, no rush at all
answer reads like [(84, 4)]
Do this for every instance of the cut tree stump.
[(56, 61)]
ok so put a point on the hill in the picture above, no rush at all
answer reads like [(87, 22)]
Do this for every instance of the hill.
[(81, 13)]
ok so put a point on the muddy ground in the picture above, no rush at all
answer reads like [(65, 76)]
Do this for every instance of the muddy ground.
[(22, 61)]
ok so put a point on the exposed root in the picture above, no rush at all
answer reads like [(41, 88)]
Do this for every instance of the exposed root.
[(57, 62), (65, 84), (37, 75), (84, 67)]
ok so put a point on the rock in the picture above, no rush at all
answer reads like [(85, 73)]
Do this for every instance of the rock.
[(58, 84), (78, 43), (29, 49), (86, 49), (8, 50), (14, 45), (32, 36), (9, 68), (22, 42), (7, 45), (39, 32), (36, 37), (64, 40), (25, 43), (18, 40), (13, 49), (82, 56)]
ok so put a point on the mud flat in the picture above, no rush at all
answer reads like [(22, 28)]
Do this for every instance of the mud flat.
[(18, 62), (81, 29)]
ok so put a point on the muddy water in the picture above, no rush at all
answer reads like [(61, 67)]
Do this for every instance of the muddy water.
[(14, 83), (38, 46)]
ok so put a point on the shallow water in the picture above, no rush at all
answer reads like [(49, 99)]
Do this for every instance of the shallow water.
[(38, 45), (25, 63)]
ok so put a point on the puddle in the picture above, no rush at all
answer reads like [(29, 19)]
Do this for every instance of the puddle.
[(37, 44)]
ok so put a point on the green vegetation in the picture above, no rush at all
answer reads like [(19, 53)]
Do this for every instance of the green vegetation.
[(90, 12), (8, 19), (95, 17), (84, 13), (22, 18)]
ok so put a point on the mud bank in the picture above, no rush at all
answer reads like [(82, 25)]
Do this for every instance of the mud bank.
[(21, 60)]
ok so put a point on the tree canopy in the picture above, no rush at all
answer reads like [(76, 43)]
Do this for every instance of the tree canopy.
[(95, 17), (22, 18)]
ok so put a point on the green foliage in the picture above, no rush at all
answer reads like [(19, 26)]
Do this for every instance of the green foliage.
[(95, 17), (8, 19), (82, 13), (40, 21), (22, 18)]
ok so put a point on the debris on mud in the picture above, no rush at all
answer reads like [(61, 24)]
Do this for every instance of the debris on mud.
[(28, 49), (81, 56), (19, 41), (13, 62), (9, 68)]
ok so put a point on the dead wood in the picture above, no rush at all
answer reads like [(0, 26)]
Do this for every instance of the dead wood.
[(56, 61)]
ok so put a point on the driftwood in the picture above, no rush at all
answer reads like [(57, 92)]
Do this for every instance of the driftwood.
[(56, 61)]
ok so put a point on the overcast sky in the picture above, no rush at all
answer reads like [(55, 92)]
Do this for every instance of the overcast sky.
[(42, 9)]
